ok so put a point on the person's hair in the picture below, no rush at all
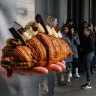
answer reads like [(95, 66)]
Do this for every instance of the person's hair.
[(84, 22), (69, 20), (65, 25), (69, 33), (54, 18), (86, 28), (51, 19), (71, 27)]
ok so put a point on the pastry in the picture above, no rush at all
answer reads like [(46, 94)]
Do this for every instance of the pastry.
[(41, 50), (35, 45)]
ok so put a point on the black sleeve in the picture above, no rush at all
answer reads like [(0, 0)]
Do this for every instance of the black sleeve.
[(90, 46)]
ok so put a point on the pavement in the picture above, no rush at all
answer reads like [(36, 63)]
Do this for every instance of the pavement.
[(74, 88), (71, 89)]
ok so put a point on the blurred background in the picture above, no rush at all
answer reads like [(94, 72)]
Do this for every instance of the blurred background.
[(24, 11)]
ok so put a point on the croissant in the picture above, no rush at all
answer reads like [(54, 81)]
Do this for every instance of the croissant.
[(41, 50)]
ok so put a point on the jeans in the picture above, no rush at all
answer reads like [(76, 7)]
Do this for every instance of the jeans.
[(92, 65), (88, 62)]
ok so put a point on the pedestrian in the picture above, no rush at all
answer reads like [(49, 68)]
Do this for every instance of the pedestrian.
[(76, 42), (69, 59), (88, 49)]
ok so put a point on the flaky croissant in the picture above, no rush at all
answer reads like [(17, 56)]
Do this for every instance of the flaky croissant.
[(41, 50)]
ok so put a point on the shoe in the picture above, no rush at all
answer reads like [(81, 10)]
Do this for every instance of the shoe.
[(93, 72), (77, 75), (86, 86), (61, 83)]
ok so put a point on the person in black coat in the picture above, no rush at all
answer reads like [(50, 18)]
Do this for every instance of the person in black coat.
[(88, 49)]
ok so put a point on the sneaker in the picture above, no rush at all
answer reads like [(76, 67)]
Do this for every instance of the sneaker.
[(61, 83), (77, 75), (86, 86), (92, 72)]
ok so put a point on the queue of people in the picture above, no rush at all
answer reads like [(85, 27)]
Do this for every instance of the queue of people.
[(82, 44)]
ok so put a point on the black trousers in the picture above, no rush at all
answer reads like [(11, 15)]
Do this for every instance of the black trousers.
[(74, 64)]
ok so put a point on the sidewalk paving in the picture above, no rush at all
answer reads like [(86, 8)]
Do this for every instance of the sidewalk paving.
[(74, 88)]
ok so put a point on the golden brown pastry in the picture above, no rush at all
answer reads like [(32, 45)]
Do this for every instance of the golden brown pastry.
[(41, 50)]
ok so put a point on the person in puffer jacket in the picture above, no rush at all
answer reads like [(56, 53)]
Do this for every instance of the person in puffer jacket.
[(76, 42)]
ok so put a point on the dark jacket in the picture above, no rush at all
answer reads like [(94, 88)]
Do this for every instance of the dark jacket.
[(88, 45)]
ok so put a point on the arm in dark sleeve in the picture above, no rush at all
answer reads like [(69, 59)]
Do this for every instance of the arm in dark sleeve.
[(90, 46), (91, 42)]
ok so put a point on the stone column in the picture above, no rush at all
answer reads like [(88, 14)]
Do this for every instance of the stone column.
[(94, 12), (41, 7), (90, 11), (86, 10), (70, 9), (63, 12)]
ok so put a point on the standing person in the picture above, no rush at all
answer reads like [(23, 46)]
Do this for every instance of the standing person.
[(94, 59), (76, 42), (4, 34), (51, 82), (81, 36), (94, 39), (53, 23), (68, 59), (88, 48)]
